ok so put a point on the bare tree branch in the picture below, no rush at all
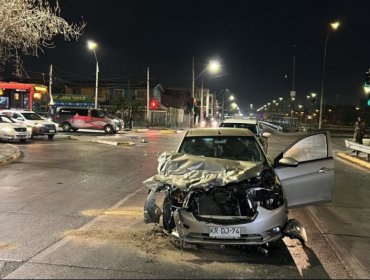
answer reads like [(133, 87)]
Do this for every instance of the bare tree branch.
[(28, 26)]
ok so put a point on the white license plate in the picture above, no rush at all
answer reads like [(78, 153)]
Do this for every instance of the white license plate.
[(224, 232), (51, 130)]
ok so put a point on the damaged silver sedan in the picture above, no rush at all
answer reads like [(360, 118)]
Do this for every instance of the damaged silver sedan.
[(220, 187)]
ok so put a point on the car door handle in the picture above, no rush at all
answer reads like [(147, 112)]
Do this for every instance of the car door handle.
[(324, 170)]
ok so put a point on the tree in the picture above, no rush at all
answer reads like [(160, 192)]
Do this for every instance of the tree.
[(28, 26)]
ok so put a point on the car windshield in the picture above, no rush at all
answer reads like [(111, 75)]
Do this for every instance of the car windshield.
[(32, 116), (251, 127), (225, 147), (4, 119)]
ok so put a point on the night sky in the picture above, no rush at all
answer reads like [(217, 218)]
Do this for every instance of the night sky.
[(254, 40)]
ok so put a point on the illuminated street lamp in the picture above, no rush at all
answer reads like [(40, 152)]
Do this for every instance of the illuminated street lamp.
[(213, 66), (334, 26), (230, 98), (92, 46)]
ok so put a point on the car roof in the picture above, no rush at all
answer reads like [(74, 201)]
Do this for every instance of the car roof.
[(17, 110), (235, 120), (219, 131)]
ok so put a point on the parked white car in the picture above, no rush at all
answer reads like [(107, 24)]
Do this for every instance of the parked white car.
[(10, 130), (40, 126)]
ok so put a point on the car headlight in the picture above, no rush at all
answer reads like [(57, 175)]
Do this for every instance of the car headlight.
[(39, 125), (7, 129), (29, 129)]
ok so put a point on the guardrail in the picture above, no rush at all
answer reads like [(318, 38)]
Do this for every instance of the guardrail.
[(359, 147), (274, 126)]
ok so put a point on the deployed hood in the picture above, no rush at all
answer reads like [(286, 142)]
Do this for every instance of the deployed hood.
[(189, 171)]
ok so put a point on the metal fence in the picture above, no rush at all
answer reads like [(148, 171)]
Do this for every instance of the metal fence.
[(170, 117)]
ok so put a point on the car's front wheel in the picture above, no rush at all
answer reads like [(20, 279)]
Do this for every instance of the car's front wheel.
[(66, 127), (50, 136), (168, 221), (108, 129)]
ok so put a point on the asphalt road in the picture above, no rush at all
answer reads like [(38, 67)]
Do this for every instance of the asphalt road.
[(73, 209)]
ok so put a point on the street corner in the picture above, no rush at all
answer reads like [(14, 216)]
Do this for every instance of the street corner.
[(355, 159), (8, 154)]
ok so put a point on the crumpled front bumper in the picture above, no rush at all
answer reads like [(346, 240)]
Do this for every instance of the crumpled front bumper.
[(267, 227)]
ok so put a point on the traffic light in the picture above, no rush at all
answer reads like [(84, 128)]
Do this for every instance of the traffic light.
[(153, 104), (367, 78)]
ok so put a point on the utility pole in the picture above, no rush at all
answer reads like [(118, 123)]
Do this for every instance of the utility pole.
[(51, 101), (192, 120), (147, 97), (292, 92), (201, 102)]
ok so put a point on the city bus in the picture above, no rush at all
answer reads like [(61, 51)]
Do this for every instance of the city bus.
[(32, 97)]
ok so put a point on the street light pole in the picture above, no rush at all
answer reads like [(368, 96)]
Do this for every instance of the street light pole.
[(334, 26), (96, 81), (213, 66), (192, 95), (201, 102), (92, 46)]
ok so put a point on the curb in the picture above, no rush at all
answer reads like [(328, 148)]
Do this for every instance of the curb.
[(17, 154), (167, 131), (356, 160), (114, 143)]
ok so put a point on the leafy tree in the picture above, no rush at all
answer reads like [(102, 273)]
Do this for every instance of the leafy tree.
[(28, 26)]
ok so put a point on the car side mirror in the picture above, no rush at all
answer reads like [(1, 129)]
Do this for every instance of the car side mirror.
[(288, 161), (266, 134)]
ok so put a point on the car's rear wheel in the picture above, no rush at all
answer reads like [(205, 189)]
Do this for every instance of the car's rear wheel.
[(108, 129), (66, 127)]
